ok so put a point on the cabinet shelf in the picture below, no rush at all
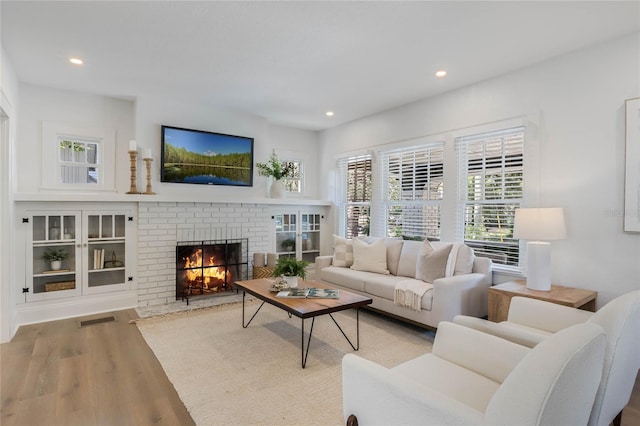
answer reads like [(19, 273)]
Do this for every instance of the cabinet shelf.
[(53, 274), (117, 268), (54, 243)]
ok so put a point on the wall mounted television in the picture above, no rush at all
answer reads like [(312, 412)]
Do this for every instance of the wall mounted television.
[(208, 158)]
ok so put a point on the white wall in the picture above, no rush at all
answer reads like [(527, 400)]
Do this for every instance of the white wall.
[(574, 108), (152, 112), (38, 104), (8, 103)]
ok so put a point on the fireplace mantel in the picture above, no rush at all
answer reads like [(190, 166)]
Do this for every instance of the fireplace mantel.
[(140, 198)]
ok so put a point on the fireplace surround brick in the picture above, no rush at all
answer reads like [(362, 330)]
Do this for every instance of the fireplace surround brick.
[(162, 224)]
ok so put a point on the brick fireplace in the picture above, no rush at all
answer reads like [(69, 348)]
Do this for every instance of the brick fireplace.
[(162, 225)]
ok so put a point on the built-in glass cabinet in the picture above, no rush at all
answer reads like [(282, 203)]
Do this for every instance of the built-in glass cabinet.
[(77, 252), (297, 234)]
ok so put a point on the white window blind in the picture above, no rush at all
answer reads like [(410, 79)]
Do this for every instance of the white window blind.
[(355, 195), (413, 191), (491, 188)]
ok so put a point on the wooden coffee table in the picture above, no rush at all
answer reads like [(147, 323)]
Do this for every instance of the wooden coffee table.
[(304, 308)]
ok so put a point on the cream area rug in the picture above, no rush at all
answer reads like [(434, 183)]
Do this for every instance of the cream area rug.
[(227, 375)]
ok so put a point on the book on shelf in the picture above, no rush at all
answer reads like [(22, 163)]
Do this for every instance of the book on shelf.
[(309, 293), (98, 259)]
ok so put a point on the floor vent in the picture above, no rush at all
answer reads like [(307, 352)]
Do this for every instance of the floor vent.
[(96, 321)]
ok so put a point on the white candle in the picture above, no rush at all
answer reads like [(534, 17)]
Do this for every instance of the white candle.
[(146, 153), (132, 146)]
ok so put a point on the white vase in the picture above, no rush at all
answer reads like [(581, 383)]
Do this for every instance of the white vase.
[(277, 189), (291, 281), (56, 265)]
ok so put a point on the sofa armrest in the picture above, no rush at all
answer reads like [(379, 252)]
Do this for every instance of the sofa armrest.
[(517, 335), (377, 395), (460, 294), (545, 316), (323, 262), (491, 357)]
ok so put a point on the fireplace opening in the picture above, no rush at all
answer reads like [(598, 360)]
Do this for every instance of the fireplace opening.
[(210, 267)]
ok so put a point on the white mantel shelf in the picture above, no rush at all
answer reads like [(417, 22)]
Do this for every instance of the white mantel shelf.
[(141, 198)]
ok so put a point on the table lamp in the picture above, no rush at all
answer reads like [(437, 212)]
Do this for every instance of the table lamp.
[(539, 226)]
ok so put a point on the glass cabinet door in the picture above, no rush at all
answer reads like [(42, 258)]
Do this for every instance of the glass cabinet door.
[(106, 251), (286, 229), (310, 236), (55, 255)]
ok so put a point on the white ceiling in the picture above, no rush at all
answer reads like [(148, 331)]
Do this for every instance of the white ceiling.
[(290, 62)]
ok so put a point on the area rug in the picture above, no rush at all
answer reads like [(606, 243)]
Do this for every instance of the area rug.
[(227, 375)]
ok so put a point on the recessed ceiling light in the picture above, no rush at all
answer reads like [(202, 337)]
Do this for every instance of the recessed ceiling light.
[(441, 73), (329, 113), (76, 61)]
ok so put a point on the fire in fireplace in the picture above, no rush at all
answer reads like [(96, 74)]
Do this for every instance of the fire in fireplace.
[(210, 267)]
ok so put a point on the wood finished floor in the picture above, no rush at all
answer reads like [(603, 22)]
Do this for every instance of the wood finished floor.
[(59, 373)]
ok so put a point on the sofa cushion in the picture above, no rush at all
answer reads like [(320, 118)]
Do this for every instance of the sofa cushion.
[(464, 260), (345, 277), (394, 248), (342, 252), (409, 257), (433, 265), (370, 257), (463, 385), (384, 286)]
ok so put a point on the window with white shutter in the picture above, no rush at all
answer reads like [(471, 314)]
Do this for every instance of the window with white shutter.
[(491, 187), (355, 188), (413, 191)]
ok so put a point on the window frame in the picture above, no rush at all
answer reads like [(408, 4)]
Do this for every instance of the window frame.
[(404, 162), (511, 190), (344, 204), (54, 133)]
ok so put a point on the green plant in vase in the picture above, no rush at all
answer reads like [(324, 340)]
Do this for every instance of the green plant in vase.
[(55, 256), (277, 170), (290, 269), (288, 244)]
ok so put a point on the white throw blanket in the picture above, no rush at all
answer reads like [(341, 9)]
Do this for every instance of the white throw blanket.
[(409, 293)]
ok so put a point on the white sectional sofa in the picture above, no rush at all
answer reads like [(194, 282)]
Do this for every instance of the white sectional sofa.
[(453, 279)]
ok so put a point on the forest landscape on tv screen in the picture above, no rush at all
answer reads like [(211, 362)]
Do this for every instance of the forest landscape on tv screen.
[(208, 158)]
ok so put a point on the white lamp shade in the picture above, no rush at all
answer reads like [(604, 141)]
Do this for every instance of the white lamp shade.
[(539, 224)]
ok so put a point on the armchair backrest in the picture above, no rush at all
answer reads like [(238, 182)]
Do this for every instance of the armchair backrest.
[(555, 383), (620, 320)]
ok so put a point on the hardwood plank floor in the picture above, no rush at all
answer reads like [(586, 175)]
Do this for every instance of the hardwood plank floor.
[(59, 373)]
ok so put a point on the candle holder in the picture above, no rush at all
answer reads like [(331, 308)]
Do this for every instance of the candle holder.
[(133, 155), (148, 191)]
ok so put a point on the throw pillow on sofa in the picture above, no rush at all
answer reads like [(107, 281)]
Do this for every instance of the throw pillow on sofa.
[(370, 257), (433, 265), (342, 252)]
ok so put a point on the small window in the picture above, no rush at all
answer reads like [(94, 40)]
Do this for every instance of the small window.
[(78, 161), (293, 182), (78, 158)]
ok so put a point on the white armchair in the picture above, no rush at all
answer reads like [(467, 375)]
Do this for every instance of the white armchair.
[(532, 321), (476, 378)]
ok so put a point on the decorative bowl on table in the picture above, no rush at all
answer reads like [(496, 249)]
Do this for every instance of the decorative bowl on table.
[(279, 285)]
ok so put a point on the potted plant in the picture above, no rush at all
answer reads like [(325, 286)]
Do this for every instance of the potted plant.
[(288, 244), (290, 269), (277, 170), (55, 256)]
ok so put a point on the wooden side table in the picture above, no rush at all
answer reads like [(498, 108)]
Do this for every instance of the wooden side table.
[(500, 297)]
